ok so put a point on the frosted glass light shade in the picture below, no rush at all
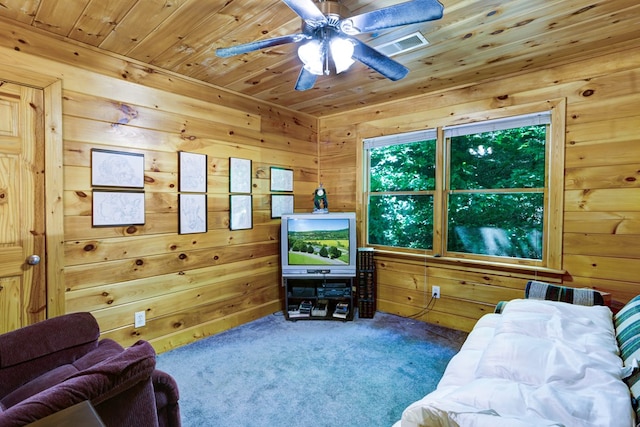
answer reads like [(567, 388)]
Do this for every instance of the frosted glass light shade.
[(341, 53), (312, 56)]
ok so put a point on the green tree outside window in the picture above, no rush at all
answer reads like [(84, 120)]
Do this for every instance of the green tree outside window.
[(493, 193)]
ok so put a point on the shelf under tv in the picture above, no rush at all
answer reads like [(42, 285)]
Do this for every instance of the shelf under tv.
[(305, 295)]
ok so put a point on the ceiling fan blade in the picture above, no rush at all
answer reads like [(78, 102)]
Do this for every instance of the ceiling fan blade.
[(306, 80), (225, 52), (410, 12), (381, 63), (308, 11)]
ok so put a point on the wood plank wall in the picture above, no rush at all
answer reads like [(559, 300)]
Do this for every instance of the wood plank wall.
[(191, 285), (601, 237)]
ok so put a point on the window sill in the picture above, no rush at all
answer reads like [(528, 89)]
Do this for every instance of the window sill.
[(550, 274)]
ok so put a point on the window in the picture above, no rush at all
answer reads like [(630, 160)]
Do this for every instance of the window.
[(476, 191), (402, 179)]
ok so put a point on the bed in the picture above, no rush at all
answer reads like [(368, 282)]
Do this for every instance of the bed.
[(539, 363)]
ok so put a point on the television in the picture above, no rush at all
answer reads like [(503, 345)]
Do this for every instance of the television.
[(318, 244)]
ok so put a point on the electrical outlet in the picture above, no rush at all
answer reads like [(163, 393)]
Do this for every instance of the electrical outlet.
[(139, 319), (435, 291)]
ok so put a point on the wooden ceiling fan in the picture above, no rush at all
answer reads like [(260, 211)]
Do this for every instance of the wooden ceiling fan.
[(327, 42)]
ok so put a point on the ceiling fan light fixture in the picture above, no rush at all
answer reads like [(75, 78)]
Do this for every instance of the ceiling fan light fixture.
[(312, 56), (341, 53), (328, 36)]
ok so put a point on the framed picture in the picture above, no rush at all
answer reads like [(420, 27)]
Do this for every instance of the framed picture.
[(114, 208), (239, 175), (281, 204), (193, 213), (281, 179), (116, 169), (192, 169), (240, 212)]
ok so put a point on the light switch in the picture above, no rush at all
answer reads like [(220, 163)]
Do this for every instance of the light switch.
[(139, 319)]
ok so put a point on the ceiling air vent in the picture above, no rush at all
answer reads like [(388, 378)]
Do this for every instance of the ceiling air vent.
[(403, 44)]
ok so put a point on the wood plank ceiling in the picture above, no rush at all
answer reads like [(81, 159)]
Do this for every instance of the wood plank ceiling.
[(474, 41)]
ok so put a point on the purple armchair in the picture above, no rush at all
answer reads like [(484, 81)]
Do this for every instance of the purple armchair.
[(54, 364)]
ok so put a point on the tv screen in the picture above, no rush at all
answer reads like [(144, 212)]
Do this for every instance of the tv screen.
[(318, 244)]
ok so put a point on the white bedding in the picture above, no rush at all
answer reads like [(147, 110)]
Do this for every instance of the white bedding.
[(539, 363)]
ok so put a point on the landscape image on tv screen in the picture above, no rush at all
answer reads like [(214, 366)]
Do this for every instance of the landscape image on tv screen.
[(318, 241)]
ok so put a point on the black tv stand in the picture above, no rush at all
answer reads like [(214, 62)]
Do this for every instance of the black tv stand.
[(318, 298)]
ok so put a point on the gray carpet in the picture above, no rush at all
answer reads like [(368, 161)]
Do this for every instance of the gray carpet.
[(273, 372)]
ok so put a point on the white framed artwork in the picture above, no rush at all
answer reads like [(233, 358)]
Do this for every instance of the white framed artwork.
[(281, 204), (193, 213), (281, 179), (117, 208), (192, 169), (111, 168), (240, 212), (239, 175)]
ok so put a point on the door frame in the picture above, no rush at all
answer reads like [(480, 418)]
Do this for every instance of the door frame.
[(54, 178)]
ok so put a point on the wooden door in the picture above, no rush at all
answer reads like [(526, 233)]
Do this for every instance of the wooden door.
[(22, 235)]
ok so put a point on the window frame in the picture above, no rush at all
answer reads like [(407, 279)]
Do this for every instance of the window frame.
[(553, 198)]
